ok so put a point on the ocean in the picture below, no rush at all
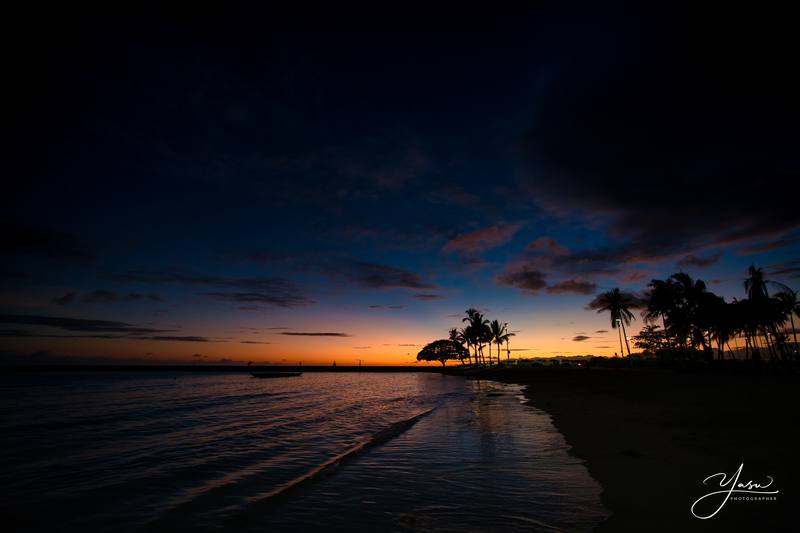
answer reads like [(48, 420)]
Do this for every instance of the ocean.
[(130, 451)]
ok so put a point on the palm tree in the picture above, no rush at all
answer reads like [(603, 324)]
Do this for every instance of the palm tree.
[(690, 296), (457, 336), (478, 330), (790, 305), (770, 313), (499, 333), (618, 304)]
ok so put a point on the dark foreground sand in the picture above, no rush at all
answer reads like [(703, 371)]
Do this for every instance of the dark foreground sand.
[(650, 437)]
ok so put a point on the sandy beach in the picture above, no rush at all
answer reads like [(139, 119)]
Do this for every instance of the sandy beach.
[(650, 437)]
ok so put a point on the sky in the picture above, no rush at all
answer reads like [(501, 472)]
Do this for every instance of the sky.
[(276, 185)]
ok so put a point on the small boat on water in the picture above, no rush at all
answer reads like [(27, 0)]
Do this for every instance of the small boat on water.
[(275, 374)]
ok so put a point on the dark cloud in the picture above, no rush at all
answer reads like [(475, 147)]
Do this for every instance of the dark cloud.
[(529, 280), (601, 331), (278, 298), (260, 290), (77, 324), (105, 296), (572, 285), (669, 123), (548, 245), (66, 299), (788, 268), (376, 276), (393, 307), (580, 338), (254, 342), (481, 240), (701, 262), (767, 246), (181, 338), (428, 297), (313, 334), (186, 277)]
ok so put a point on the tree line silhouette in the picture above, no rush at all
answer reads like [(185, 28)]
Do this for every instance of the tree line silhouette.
[(683, 319)]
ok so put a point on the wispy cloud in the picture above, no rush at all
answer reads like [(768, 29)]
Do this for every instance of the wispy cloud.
[(259, 290), (428, 297), (77, 324), (573, 286), (278, 299), (377, 276), (105, 296), (700, 262), (314, 334), (481, 240), (529, 280)]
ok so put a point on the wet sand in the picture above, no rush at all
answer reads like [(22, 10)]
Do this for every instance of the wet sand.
[(650, 437)]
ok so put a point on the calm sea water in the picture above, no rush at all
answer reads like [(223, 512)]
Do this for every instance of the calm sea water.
[(142, 452)]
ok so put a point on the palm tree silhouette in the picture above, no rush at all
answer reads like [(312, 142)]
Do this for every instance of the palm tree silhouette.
[(661, 302), (499, 335), (457, 335), (618, 304), (478, 331), (791, 306)]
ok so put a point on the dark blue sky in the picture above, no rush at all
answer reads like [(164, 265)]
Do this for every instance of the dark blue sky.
[(207, 176)]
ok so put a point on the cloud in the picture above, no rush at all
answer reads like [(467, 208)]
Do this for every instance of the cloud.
[(376, 276), (393, 307), (580, 338), (104, 296), (767, 246), (634, 276), (93, 329), (257, 290), (313, 334), (77, 324), (661, 133), (278, 299), (601, 331), (529, 280), (187, 277), (66, 299), (788, 268), (701, 262), (362, 347), (428, 297), (548, 245), (572, 285), (181, 338), (254, 342), (481, 240)]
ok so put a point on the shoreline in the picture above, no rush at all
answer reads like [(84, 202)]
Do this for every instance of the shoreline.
[(650, 437)]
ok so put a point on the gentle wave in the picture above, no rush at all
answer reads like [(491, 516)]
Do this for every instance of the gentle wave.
[(130, 452)]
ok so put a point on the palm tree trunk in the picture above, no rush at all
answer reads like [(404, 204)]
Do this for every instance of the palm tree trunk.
[(621, 351), (626, 338)]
